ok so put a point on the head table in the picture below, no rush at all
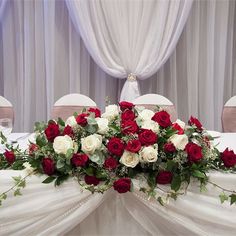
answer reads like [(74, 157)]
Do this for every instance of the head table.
[(68, 210)]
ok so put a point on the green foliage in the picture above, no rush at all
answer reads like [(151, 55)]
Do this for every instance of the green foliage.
[(223, 197), (152, 180), (49, 179), (176, 183), (232, 198), (60, 121)]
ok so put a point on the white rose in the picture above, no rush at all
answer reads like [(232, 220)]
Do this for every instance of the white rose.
[(111, 112), (102, 125), (62, 143), (179, 141), (148, 154), (146, 114), (71, 121), (150, 124), (91, 143), (129, 159), (180, 123)]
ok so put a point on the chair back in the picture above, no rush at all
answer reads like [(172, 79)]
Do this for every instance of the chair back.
[(6, 109), (229, 115), (67, 105), (150, 101)]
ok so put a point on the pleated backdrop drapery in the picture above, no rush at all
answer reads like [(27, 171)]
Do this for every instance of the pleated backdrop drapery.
[(42, 58), (130, 37)]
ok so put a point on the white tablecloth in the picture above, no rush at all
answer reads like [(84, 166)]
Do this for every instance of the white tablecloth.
[(46, 210)]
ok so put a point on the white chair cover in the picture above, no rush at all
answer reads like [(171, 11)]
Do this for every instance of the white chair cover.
[(229, 115), (149, 101), (68, 104), (6, 109)]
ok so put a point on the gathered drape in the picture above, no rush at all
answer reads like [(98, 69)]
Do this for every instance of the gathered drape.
[(70, 210), (125, 37)]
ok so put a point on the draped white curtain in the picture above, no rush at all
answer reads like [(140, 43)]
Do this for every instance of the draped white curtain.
[(67, 210), (42, 58), (200, 76), (126, 37)]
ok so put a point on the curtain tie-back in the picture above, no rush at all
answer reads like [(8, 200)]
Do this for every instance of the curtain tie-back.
[(131, 77)]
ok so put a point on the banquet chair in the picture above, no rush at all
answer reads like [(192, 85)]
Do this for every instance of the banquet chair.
[(6, 109), (67, 105), (150, 101), (229, 115)]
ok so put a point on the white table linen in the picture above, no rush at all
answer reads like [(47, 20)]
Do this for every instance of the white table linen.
[(46, 210)]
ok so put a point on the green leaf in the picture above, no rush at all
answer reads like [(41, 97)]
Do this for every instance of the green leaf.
[(75, 114), (170, 165), (142, 190), (91, 120), (97, 157), (170, 131), (17, 192), (176, 183), (60, 163), (91, 128), (61, 179), (60, 121), (223, 197), (232, 199), (3, 196), (41, 140), (17, 179), (101, 174), (152, 180), (199, 174), (69, 153), (22, 184), (49, 180), (159, 199), (4, 139), (39, 126), (89, 171)]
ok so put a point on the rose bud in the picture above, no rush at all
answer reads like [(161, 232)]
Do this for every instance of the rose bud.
[(122, 185)]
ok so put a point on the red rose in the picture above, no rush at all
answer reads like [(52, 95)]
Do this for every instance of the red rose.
[(52, 131), (96, 111), (147, 137), (169, 147), (122, 185), (33, 148), (91, 180), (126, 105), (10, 156), (48, 166), (164, 177), (127, 115), (129, 127), (228, 157), (162, 118), (110, 163), (68, 131), (82, 119), (133, 146), (196, 122), (115, 146), (79, 159), (178, 128), (194, 152)]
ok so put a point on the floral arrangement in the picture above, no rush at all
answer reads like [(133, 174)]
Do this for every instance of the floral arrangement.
[(126, 142)]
